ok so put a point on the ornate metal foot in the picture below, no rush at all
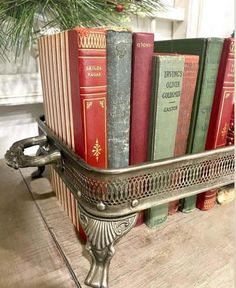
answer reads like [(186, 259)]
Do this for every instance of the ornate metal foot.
[(102, 235)]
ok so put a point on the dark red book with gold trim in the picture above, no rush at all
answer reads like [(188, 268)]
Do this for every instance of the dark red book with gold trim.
[(142, 52), (87, 54), (87, 57), (230, 134), (220, 114)]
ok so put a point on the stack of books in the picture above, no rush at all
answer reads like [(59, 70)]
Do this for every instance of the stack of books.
[(118, 98)]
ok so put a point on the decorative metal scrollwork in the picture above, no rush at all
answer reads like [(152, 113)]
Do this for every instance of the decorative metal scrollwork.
[(16, 158), (102, 235), (109, 198)]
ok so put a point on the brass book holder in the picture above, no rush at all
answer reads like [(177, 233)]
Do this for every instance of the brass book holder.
[(109, 199)]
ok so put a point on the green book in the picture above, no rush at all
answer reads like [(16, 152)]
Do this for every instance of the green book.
[(209, 51), (166, 90)]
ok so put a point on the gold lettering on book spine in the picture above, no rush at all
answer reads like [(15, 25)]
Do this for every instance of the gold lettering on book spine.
[(227, 94), (89, 104), (92, 41), (144, 45), (224, 131), (101, 103), (97, 150), (210, 203)]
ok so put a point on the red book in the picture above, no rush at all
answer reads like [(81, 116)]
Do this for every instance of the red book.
[(185, 110), (140, 96), (142, 52), (230, 134), (88, 81), (220, 114), (87, 55)]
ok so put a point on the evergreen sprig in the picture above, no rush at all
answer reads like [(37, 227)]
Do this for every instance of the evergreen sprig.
[(21, 20)]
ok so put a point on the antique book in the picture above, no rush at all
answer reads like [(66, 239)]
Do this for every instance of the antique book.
[(185, 110), (74, 76), (89, 93), (225, 194), (52, 56), (88, 81), (209, 52), (220, 115), (166, 90), (142, 52), (119, 51), (230, 134)]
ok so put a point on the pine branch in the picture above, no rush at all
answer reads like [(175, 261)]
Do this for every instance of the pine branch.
[(21, 20)]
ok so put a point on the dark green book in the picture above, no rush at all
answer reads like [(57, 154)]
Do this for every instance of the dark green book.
[(209, 51), (166, 90)]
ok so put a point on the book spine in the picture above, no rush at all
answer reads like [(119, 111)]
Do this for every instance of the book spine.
[(206, 200), (226, 194), (52, 51), (223, 99), (42, 65), (196, 46), (166, 91), (50, 117), (48, 76), (212, 60), (66, 91), (185, 109), (140, 96), (173, 207), (230, 134), (87, 48), (88, 85), (186, 103), (57, 80), (119, 50), (220, 116), (142, 52)]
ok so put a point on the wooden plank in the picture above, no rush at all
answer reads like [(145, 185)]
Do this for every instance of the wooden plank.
[(189, 250), (28, 255)]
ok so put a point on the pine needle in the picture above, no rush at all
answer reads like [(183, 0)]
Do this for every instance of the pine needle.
[(22, 20)]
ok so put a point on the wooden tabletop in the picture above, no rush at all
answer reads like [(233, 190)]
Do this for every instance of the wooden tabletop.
[(39, 247)]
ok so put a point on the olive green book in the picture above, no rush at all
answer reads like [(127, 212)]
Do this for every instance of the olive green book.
[(166, 91), (209, 51)]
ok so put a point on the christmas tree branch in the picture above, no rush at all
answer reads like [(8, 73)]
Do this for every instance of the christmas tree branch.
[(22, 20)]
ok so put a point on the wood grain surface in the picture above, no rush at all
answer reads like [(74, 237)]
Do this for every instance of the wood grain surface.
[(194, 250), (29, 257)]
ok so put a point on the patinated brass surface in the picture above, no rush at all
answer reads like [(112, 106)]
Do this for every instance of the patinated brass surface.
[(109, 199)]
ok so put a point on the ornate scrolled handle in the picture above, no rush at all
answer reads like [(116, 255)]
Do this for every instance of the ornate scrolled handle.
[(15, 155)]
